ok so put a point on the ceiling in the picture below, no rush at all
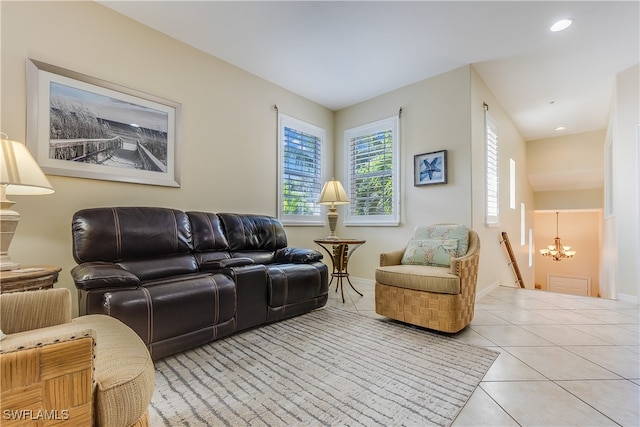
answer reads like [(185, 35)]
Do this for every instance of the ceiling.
[(339, 53)]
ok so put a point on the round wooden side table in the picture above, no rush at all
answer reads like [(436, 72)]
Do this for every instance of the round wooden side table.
[(340, 251), (28, 278)]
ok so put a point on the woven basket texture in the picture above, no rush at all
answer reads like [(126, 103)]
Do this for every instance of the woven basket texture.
[(48, 385)]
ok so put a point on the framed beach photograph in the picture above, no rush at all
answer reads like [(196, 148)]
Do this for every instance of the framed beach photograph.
[(430, 168), (85, 127)]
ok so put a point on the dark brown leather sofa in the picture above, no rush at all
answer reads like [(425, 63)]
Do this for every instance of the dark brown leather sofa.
[(182, 279)]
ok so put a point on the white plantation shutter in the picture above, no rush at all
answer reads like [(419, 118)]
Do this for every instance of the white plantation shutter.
[(492, 175), (372, 173), (301, 176)]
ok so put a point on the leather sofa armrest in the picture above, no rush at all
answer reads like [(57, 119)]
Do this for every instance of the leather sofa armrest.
[(296, 256), (226, 263), (96, 275), (391, 258)]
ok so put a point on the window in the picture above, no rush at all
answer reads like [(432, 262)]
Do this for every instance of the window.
[(512, 183), (372, 173), (523, 215), (301, 172), (492, 177)]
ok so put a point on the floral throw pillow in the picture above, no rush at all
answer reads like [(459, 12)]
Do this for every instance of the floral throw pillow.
[(436, 252), (445, 231)]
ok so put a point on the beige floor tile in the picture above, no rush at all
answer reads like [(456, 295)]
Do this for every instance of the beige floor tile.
[(480, 411), (568, 317), (482, 317), (556, 363), (543, 403), (523, 317), (535, 304), (619, 400), (510, 335), (566, 334), (509, 368), (611, 316), (611, 334), (623, 361), (471, 337)]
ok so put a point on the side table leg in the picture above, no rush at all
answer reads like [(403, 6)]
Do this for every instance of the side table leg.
[(352, 287)]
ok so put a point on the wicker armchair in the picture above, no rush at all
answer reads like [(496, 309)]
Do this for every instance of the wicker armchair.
[(92, 370), (435, 297)]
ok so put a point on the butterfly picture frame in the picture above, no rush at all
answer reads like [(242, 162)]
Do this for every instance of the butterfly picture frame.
[(430, 168)]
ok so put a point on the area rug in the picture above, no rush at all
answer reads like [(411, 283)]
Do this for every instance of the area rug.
[(329, 367)]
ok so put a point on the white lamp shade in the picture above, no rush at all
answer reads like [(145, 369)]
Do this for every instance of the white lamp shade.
[(333, 193), (19, 171)]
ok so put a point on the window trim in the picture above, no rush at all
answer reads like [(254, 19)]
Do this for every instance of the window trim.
[(375, 220), (318, 219), (492, 217)]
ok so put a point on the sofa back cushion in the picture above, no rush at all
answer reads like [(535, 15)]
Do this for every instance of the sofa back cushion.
[(130, 233), (208, 234), (250, 233)]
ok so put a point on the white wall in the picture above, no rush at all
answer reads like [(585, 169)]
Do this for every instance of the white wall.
[(622, 236), (229, 123)]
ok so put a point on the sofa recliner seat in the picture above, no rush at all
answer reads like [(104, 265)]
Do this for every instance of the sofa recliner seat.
[(182, 279)]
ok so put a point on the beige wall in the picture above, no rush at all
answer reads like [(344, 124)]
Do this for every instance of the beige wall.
[(575, 160), (578, 199), (229, 123), (434, 117), (495, 268), (579, 229), (445, 112)]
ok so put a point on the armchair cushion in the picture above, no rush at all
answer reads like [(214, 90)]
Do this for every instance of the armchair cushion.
[(420, 278), (436, 252)]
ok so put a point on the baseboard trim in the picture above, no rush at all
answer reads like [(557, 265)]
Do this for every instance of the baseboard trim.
[(481, 294), (362, 281), (628, 298)]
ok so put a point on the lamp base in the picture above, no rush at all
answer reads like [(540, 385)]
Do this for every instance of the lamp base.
[(6, 264), (8, 222), (332, 217)]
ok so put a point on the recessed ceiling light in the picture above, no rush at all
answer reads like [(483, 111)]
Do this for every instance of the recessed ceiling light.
[(562, 24), (560, 128)]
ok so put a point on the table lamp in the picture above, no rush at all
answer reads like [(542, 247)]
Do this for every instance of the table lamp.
[(19, 175), (333, 194)]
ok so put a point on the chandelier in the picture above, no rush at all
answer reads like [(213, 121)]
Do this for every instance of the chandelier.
[(557, 251)]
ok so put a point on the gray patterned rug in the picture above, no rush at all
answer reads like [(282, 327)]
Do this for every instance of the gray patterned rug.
[(328, 367)]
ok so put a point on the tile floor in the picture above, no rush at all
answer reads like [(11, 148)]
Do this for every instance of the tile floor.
[(564, 360)]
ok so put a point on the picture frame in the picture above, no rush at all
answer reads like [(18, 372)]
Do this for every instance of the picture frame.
[(84, 127), (430, 168)]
